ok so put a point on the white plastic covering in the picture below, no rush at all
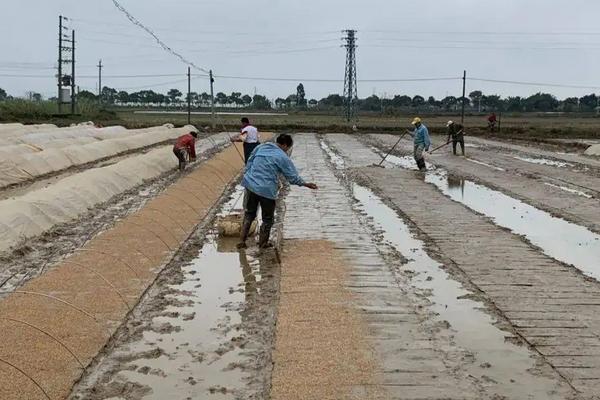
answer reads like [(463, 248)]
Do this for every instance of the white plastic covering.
[(593, 150), (19, 163), (68, 199)]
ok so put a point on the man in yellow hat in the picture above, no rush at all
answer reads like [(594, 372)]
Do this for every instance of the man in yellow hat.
[(421, 142)]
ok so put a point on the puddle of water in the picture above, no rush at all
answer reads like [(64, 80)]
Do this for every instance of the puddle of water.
[(337, 161), (544, 161), (574, 191), (504, 362), (559, 239), (485, 164), (201, 338)]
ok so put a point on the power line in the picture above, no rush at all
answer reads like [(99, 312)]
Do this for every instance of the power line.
[(551, 33), (160, 42), (534, 83)]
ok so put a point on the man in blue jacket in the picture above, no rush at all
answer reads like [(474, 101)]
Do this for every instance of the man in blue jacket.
[(421, 142), (261, 180)]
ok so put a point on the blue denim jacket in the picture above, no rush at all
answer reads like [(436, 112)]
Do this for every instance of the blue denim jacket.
[(265, 165), (421, 135)]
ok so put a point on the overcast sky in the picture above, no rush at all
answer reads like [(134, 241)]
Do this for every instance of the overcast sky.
[(548, 41)]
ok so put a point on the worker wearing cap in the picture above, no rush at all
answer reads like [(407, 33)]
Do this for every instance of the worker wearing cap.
[(250, 136), (185, 146), (261, 179), (456, 132), (421, 142)]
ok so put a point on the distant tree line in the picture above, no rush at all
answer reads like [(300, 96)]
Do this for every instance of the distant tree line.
[(477, 101)]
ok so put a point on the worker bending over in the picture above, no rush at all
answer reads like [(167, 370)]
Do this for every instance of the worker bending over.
[(261, 180), (456, 132), (185, 146), (421, 142), (250, 136)]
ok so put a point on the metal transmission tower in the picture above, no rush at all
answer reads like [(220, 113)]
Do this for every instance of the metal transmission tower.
[(66, 55), (350, 89)]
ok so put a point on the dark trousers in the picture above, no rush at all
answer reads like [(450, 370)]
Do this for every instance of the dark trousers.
[(181, 156), (248, 149), (462, 145), (268, 211)]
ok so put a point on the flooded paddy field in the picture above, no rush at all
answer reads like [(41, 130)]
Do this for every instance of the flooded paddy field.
[(478, 279)]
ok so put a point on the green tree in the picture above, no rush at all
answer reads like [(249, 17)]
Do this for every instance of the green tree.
[(3, 95), (122, 97), (570, 104), (300, 95), (449, 102), (417, 101), (174, 95), (261, 102), (108, 95), (87, 95), (541, 102), (371, 103), (279, 103), (589, 102), (246, 100), (476, 97), (492, 102), (221, 98), (513, 104), (401, 101), (333, 100), (236, 98)]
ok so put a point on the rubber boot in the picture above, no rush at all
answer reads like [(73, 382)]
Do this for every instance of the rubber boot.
[(263, 239), (244, 234)]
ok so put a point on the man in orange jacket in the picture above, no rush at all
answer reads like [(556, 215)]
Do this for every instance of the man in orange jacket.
[(185, 145)]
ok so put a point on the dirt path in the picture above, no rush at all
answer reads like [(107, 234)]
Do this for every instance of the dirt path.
[(516, 181), (407, 305)]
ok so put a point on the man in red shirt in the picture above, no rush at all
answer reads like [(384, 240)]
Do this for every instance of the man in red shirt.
[(185, 145), (492, 122)]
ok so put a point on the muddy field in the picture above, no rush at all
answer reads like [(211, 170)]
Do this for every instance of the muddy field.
[(479, 279)]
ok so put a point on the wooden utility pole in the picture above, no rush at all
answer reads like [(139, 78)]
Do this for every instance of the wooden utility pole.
[(212, 99), (189, 96), (100, 81), (462, 113)]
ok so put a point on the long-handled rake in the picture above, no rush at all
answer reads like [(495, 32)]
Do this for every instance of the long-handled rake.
[(389, 152)]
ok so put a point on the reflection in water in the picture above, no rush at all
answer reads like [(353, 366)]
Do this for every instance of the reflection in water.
[(558, 238), (457, 184)]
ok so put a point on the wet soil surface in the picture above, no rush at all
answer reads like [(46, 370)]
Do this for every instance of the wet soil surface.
[(551, 306), (571, 192), (433, 336), (204, 330), (37, 255)]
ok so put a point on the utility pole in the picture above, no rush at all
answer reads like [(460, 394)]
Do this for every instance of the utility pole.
[(73, 95), (189, 96), (100, 81), (350, 89), (60, 48), (212, 99), (66, 55), (462, 113)]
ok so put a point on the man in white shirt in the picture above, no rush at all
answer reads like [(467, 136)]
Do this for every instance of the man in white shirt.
[(249, 136)]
